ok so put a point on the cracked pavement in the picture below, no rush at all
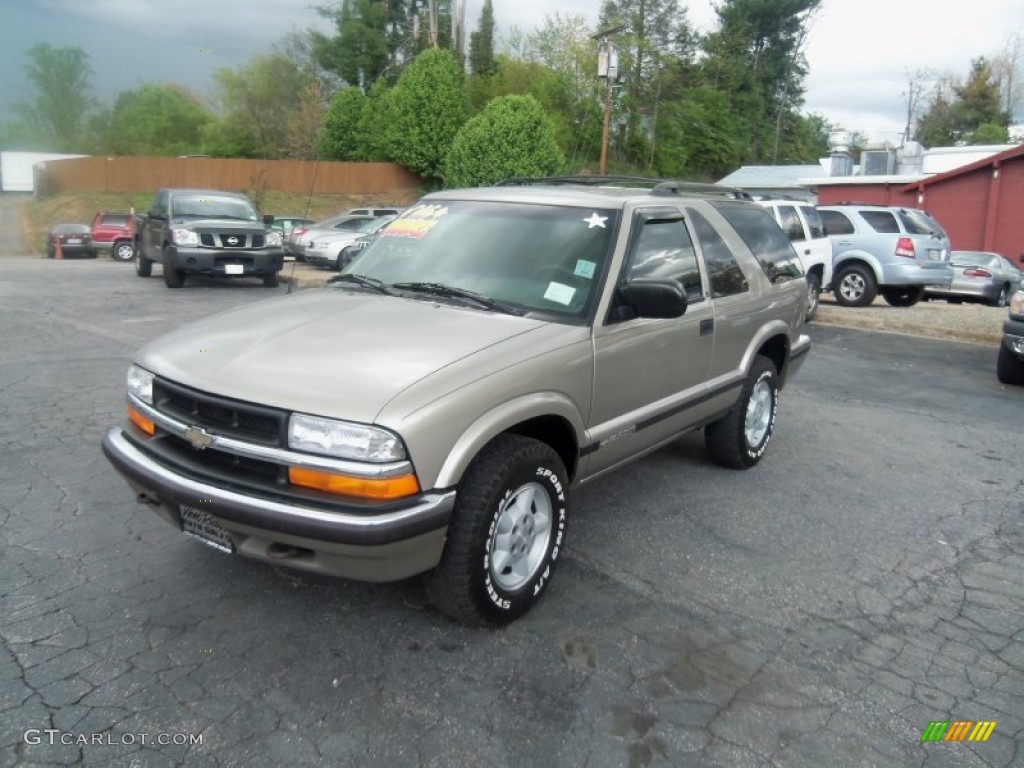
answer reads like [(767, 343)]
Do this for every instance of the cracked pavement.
[(819, 610)]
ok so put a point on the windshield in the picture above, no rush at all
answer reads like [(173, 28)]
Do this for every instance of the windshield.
[(212, 207), (535, 258)]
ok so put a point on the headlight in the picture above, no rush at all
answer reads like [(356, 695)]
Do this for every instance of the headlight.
[(1017, 303), (185, 237), (140, 384), (273, 238), (342, 439)]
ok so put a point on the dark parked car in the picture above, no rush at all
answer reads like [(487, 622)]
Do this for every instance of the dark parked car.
[(114, 233), (979, 276), (70, 240), (1010, 364)]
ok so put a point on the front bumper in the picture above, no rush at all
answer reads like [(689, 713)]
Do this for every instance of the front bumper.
[(215, 261), (1013, 337), (356, 544)]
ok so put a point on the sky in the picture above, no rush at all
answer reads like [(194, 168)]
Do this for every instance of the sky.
[(860, 52)]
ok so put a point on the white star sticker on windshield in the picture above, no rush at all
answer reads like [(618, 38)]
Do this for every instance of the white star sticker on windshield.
[(596, 221)]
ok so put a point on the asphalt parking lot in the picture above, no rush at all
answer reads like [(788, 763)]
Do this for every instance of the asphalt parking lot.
[(822, 609)]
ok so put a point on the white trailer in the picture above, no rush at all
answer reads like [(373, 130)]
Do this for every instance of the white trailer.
[(16, 173)]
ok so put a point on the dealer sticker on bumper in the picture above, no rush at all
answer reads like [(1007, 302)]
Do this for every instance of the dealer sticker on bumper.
[(202, 526)]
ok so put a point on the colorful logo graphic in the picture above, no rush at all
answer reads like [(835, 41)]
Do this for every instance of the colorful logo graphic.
[(958, 730)]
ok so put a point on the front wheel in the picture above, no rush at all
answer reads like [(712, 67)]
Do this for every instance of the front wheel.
[(1009, 368), (739, 439), (855, 286), (271, 279), (506, 534), (143, 266), (813, 296), (906, 296)]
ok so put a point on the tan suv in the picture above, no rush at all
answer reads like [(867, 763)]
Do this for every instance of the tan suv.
[(432, 409)]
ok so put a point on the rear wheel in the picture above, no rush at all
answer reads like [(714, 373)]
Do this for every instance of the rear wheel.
[(271, 279), (506, 533), (1003, 297), (1009, 369), (740, 438), (904, 296), (855, 286), (143, 266), (123, 250)]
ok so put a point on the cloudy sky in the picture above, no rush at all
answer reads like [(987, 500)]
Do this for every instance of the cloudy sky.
[(859, 51)]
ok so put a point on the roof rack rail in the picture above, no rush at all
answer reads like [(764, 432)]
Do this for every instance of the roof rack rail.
[(659, 187)]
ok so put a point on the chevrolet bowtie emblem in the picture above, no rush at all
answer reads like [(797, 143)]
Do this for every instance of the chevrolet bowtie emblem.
[(198, 438)]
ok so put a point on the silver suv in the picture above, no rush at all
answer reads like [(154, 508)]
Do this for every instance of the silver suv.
[(432, 409), (877, 249)]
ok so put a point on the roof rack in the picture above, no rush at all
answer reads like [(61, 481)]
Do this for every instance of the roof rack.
[(659, 187)]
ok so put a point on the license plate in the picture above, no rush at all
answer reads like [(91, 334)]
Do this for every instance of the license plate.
[(234, 269), (74, 240), (934, 255), (202, 526)]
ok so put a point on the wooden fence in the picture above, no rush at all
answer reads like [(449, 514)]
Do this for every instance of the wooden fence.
[(125, 173)]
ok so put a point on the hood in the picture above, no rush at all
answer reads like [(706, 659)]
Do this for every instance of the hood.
[(215, 226), (329, 352)]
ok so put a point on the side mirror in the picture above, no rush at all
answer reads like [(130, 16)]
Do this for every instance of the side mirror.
[(157, 215), (268, 219), (662, 299)]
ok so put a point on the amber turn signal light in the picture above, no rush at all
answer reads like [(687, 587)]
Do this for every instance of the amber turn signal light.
[(368, 488), (141, 421)]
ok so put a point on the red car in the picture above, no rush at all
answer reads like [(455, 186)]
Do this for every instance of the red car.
[(114, 233)]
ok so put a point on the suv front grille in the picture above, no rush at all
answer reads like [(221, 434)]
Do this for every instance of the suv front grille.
[(232, 241), (244, 421)]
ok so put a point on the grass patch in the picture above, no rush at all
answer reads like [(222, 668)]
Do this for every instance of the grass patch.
[(39, 215)]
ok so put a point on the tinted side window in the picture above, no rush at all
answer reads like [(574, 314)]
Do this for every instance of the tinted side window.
[(757, 228), (836, 223), (724, 271), (664, 250), (814, 222), (881, 221), (115, 219), (790, 222)]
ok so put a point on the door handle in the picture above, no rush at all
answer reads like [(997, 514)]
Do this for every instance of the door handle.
[(707, 327)]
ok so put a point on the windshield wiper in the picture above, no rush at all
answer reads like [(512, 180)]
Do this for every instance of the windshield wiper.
[(363, 280), (452, 292)]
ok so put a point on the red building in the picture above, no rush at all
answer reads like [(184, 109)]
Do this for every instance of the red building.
[(981, 205)]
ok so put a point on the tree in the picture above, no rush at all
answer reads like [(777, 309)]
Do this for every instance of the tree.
[(1006, 68), (371, 136), (156, 120), (481, 43), (957, 111), (512, 136), (425, 110), (258, 101), (339, 138), (59, 112)]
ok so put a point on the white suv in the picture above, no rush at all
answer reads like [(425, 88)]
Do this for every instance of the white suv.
[(803, 226)]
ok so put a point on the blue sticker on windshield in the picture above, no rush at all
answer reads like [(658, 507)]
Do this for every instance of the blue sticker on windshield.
[(585, 268)]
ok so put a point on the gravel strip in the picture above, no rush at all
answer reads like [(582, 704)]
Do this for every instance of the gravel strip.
[(975, 323)]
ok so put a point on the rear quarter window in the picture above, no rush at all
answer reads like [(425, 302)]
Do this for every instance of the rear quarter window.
[(881, 221), (114, 219), (758, 229)]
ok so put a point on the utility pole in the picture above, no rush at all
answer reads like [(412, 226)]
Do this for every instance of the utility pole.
[(608, 68)]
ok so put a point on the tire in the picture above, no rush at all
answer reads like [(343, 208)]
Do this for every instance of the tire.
[(50, 252), (271, 279), (855, 286), (123, 250), (813, 296), (143, 266), (738, 440), (1009, 369), (173, 278), (902, 297), (1003, 298), (506, 534)]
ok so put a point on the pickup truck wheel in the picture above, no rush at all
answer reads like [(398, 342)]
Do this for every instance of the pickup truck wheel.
[(173, 278), (271, 279), (1009, 369), (813, 296), (739, 439), (143, 266), (903, 297), (855, 286), (506, 533), (123, 251)]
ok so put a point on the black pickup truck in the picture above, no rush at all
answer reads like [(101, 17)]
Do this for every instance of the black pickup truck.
[(208, 232)]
